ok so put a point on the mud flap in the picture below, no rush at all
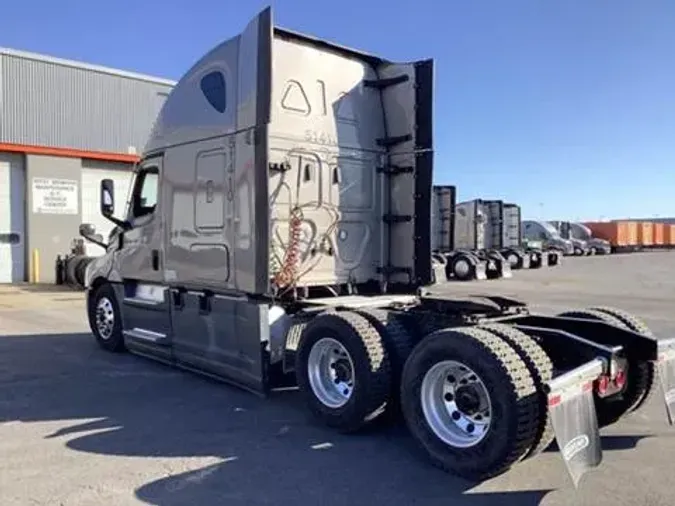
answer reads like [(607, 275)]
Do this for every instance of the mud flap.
[(481, 270), (666, 369), (506, 269), (553, 258), (439, 269), (498, 266), (574, 420), (536, 259)]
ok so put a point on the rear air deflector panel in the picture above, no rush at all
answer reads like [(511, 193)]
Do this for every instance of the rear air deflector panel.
[(495, 224), (443, 218), (409, 143), (424, 75)]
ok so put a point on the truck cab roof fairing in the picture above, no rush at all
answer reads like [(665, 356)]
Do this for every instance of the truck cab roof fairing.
[(188, 115), (222, 92)]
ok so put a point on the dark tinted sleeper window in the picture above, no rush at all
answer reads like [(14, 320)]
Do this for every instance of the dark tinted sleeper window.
[(213, 88)]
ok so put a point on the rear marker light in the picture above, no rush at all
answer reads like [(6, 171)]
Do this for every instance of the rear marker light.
[(602, 385), (620, 379), (554, 401)]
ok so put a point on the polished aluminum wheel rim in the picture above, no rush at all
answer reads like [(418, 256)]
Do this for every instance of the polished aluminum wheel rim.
[(331, 372), (456, 404), (462, 267), (105, 318)]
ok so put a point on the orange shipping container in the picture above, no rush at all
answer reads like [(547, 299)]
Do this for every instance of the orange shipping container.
[(645, 233), (618, 233), (670, 235), (659, 234)]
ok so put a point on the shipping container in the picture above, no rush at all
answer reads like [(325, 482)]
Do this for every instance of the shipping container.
[(645, 233), (620, 234), (670, 234), (659, 234)]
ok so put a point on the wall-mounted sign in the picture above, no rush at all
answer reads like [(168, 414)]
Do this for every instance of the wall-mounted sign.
[(55, 196)]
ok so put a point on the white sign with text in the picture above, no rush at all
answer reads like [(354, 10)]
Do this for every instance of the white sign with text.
[(55, 196)]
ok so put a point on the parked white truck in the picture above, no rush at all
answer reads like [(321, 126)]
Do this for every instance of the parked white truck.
[(278, 231)]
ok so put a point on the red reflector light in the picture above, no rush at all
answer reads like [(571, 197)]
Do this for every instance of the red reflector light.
[(602, 384), (554, 400), (620, 379)]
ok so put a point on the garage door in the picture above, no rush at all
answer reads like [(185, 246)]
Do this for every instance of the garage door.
[(92, 174), (12, 218)]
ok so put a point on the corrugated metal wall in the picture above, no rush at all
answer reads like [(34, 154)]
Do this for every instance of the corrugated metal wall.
[(45, 103)]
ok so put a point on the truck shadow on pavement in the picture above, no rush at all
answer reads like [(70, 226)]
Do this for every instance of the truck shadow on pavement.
[(258, 451)]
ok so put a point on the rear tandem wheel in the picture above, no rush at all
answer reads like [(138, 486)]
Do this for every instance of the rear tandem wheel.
[(541, 368), (343, 370), (470, 402), (641, 375)]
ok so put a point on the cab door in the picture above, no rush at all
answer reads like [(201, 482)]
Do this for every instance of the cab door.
[(145, 300)]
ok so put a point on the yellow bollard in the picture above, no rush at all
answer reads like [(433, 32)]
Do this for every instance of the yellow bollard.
[(35, 267)]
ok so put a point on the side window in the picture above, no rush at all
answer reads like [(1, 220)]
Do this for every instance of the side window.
[(214, 90), (144, 199)]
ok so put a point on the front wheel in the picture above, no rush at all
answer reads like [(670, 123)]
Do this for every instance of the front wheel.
[(105, 319), (470, 402)]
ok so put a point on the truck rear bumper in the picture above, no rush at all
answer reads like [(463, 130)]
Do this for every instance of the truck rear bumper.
[(573, 414)]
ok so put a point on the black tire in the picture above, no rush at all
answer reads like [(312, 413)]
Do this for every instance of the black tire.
[(399, 343), (514, 414), (541, 369), (372, 369), (611, 409), (455, 261), (513, 258), (115, 340), (647, 372)]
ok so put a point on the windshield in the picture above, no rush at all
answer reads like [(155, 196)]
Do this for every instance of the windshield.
[(550, 229)]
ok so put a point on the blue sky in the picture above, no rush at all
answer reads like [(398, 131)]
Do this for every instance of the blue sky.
[(567, 108)]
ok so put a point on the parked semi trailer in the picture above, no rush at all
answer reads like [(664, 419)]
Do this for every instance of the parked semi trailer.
[(303, 265), (459, 242), (449, 262), (582, 238), (504, 223)]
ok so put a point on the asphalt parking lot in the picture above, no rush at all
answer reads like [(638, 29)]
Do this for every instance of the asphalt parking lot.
[(79, 426)]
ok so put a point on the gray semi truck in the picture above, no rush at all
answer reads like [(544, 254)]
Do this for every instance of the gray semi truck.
[(534, 230), (278, 233), (582, 238)]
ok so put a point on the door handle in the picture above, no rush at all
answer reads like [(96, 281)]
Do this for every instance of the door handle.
[(155, 260)]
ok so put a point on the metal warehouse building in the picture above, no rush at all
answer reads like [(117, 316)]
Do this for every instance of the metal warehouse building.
[(64, 126)]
